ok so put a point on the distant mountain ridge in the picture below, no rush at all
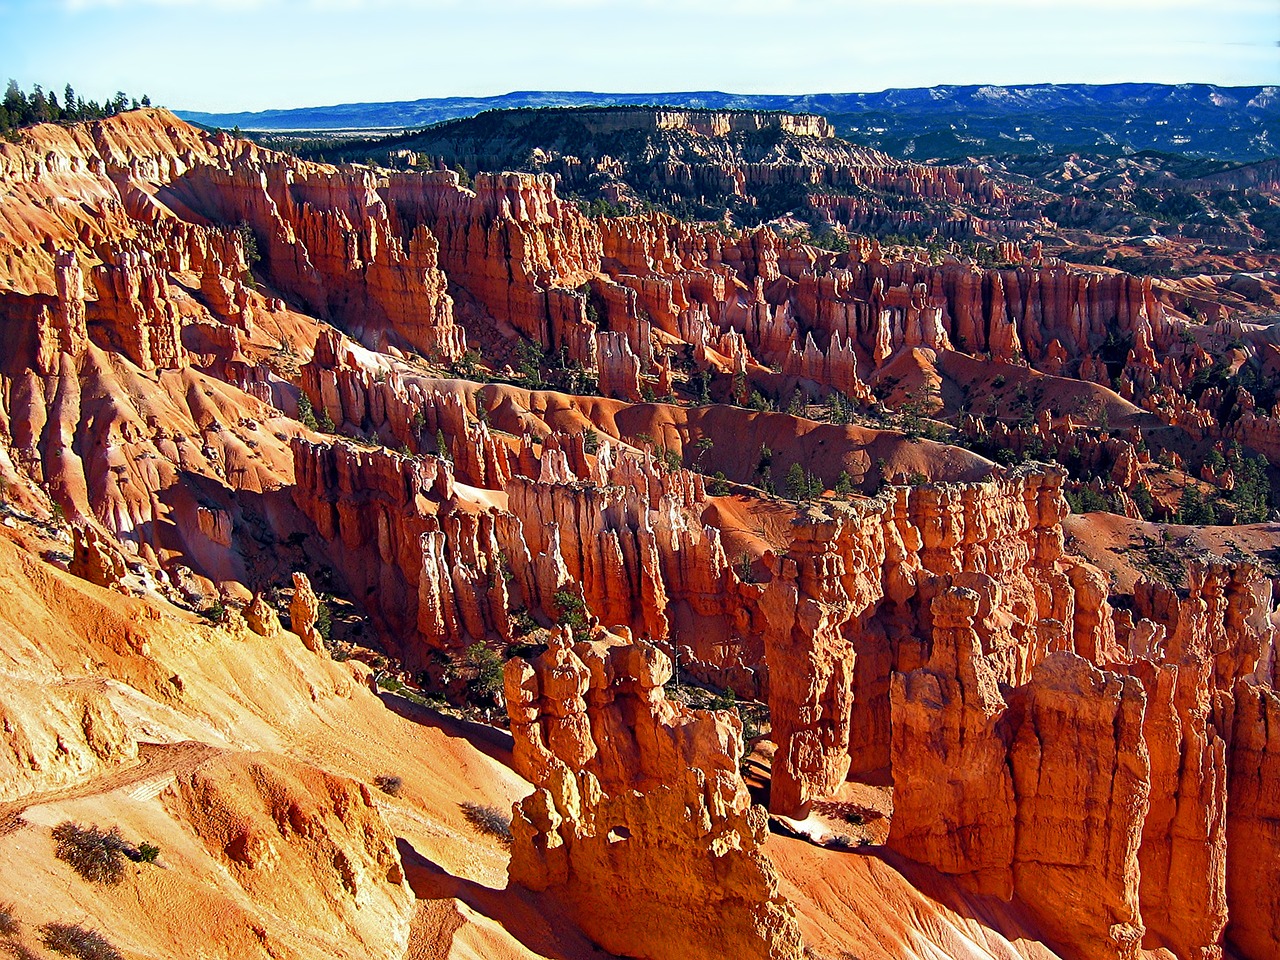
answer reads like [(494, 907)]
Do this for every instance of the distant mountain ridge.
[(1230, 123)]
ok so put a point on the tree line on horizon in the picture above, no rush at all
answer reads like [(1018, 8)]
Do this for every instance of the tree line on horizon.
[(20, 109)]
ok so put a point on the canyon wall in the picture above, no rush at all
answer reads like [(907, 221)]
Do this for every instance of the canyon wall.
[(1117, 780)]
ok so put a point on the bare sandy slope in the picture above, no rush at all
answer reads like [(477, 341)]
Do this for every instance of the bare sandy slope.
[(853, 903), (1128, 550)]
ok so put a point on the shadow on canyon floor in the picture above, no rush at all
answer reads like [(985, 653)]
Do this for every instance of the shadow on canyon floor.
[(1010, 918), (534, 920), (493, 742)]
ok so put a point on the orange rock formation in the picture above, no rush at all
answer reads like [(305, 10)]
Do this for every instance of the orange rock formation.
[(640, 822), (1104, 760)]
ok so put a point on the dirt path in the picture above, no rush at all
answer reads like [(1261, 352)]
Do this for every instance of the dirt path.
[(158, 765)]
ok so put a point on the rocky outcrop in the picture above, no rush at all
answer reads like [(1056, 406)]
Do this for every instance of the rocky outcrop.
[(954, 805), (640, 823), (135, 306), (97, 558), (1081, 780), (1253, 810), (635, 525), (707, 123), (1044, 795), (428, 569), (837, 367), (812, 598), (303, 610), (1183, 857), (61, 328), (1003, 540), (386, 288), (507, 243), (619, 366), (262, 618), (302, 843), (1121, 783), (1222, 619)]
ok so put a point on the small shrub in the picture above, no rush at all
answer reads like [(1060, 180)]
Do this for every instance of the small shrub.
[(487, 818), (1143, 500), (249, 243), (522, 622), (215, 613), (571, 608), (97, 855), (526, 650), (9, 925), (74, 940), (389, 784), (324, 619), (306, 413), (146, 853), (485, 667)]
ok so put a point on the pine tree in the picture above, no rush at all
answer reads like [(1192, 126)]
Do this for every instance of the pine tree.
[(14, 99), (39, 105), (797, 483)]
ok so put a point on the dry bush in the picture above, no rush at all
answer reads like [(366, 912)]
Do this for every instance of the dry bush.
[(19, 950), (73, 940), (97, 855), (488, 819), (389, 784), (9, 925)]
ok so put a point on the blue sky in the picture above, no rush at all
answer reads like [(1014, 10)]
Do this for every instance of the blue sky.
[(253, 54)]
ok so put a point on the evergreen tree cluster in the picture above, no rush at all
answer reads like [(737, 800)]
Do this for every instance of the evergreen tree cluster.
[(21, 109)]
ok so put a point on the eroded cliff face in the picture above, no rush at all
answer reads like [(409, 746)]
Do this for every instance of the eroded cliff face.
[(640, 821), (629, 538), (142, 270), (1116, 781), (1251, 816)]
